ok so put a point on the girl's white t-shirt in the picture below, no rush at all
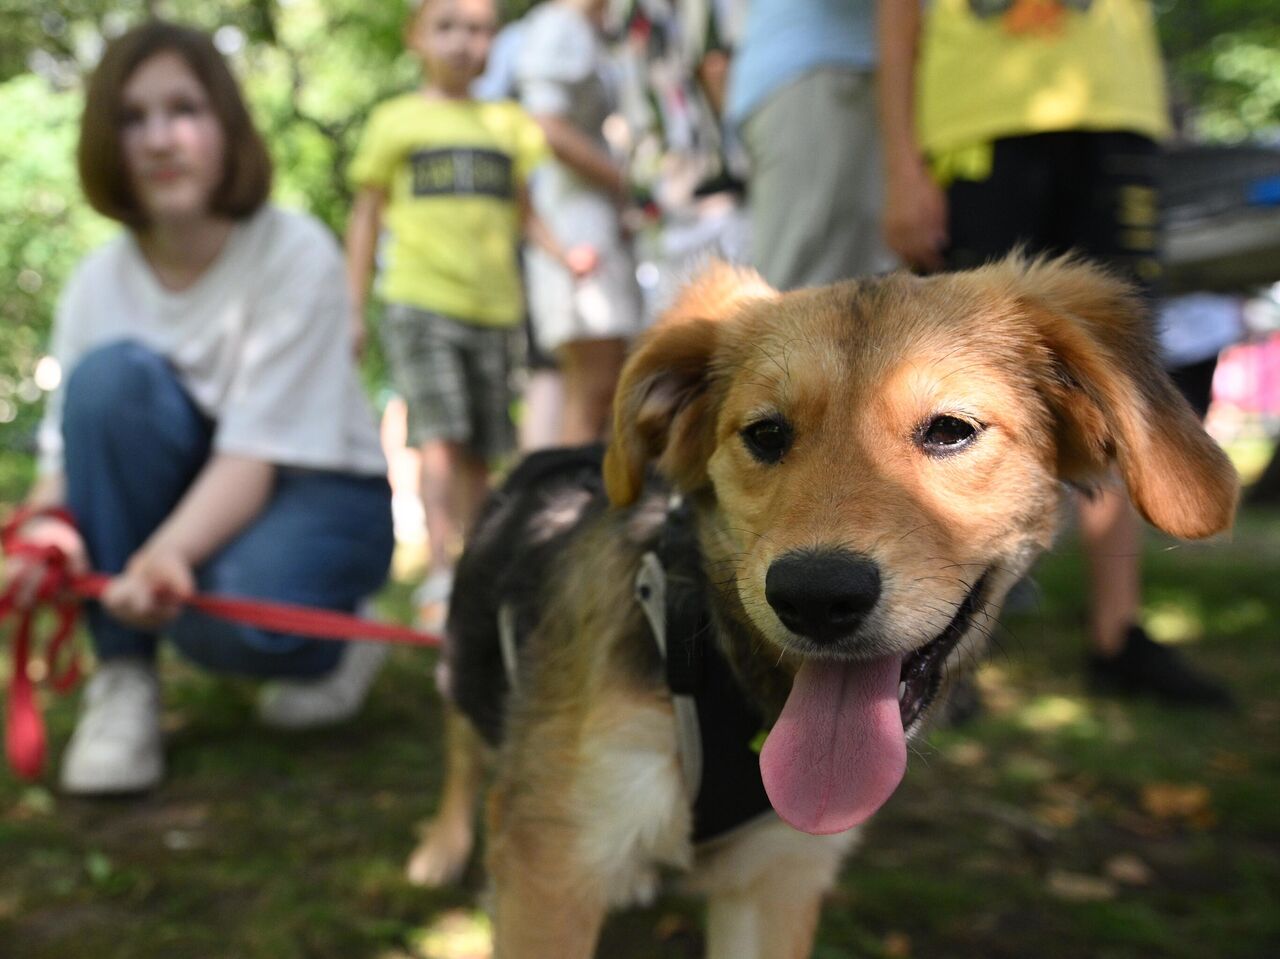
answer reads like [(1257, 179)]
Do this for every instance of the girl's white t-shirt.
[(260, 342)]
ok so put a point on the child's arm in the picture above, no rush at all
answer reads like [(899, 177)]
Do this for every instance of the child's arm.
[(583, 155), (579, 260), (361, 243)]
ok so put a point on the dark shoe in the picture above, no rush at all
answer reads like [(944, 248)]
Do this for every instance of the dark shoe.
[(1023, 597), (963, 704), (1145, 667)]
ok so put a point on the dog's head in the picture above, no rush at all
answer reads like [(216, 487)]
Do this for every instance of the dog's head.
[(885, 458)]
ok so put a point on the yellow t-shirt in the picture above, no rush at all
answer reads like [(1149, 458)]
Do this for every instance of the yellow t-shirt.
[(452, 170), (1000, 68)]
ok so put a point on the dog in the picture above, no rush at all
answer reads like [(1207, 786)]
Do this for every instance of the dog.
[(810, 509)]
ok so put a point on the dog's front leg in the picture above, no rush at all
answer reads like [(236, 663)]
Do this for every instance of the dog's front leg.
[(766, 889), (544, 905), (765, 922), (445, 846)]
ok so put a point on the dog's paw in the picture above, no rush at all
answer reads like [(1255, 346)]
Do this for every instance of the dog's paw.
[(441, 855)]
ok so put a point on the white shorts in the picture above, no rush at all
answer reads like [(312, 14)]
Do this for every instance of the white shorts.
[(603, 306)]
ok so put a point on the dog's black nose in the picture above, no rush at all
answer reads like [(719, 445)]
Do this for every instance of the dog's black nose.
[(823, 595)]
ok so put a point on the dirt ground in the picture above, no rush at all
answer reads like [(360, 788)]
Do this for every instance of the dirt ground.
[(1053, 825)]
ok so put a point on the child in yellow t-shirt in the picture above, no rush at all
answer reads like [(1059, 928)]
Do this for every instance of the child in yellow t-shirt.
[(446, 176)]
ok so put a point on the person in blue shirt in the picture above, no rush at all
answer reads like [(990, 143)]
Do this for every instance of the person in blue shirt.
[(802, 99)]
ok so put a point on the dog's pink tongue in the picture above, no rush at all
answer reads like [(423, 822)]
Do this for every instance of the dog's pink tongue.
[(838, 750)]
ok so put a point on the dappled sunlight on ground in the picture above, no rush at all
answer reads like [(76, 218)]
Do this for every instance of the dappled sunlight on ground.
[(1053, 823), (1046, 714), (1173, 623), (455, 934)]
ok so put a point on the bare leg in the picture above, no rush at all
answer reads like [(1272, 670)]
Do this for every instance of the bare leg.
[(447, 839), (454, 481), (591, 369), (540, 426), (1111, 535)]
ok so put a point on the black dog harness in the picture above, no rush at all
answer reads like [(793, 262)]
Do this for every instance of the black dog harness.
[(718, 728)]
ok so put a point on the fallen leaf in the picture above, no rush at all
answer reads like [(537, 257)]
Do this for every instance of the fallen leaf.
[(1128, 870), (1231, 763), (897, 945), (1058, 815), (1189, 801), (967, 753), (670, 925), (1080, 887)]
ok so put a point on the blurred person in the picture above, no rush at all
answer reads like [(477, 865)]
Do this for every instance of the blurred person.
[(563, 78), (542, 398), (801, 97), (1036, 123), (211, 432), (447, 175)]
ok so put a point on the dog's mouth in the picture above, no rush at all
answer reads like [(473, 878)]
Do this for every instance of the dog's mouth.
[(839, 747), (921, 675)]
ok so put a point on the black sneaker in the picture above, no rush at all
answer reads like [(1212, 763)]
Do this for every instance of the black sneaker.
[(962, 705), (1145, 667)]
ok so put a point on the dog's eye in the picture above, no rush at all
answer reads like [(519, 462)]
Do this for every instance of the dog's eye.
[(767, 440), (946, 434)]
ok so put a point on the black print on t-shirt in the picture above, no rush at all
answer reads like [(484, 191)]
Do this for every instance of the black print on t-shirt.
[(461, 170), (985, 9)]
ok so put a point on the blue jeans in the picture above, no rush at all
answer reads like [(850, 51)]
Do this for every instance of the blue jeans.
[(134, 443)]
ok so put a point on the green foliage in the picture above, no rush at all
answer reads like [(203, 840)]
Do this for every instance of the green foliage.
[(44, 228), (311, 70), (1224, 62)]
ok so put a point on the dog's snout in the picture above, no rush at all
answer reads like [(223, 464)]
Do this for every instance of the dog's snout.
[(823, 595)]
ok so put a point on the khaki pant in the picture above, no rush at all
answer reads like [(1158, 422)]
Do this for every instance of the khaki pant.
[(815, 189)]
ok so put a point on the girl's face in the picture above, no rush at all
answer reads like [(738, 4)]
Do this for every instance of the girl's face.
[(174, 145)]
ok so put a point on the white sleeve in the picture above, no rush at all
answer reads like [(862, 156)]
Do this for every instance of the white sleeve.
[(295, 381), (65, 346), (556, 52)]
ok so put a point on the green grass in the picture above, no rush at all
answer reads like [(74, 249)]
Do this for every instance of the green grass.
[(1035, 830)]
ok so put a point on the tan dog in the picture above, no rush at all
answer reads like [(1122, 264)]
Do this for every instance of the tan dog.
[(870, 466)]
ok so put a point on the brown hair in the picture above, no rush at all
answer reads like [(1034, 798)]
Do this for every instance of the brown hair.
[(246, 179)]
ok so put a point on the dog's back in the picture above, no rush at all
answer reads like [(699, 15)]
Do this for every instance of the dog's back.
[(530, 520)]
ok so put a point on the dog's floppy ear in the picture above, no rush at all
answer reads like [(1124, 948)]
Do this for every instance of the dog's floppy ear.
[(1115, 403), (662, 409)]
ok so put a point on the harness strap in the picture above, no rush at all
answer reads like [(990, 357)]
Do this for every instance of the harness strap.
[(651, 594), (716, 722), (507, 640)]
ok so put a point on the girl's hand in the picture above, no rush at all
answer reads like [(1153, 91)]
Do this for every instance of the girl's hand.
[(152, 589), (25, 572), (582, 260)]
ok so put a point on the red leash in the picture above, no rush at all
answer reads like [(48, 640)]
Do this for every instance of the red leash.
[(62, 593)]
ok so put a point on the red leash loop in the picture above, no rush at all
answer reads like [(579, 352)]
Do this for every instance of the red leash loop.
[(62, 592)]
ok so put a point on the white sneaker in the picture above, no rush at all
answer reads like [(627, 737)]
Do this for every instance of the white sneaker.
[(431, 599), (116, 747), (312, 703)]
